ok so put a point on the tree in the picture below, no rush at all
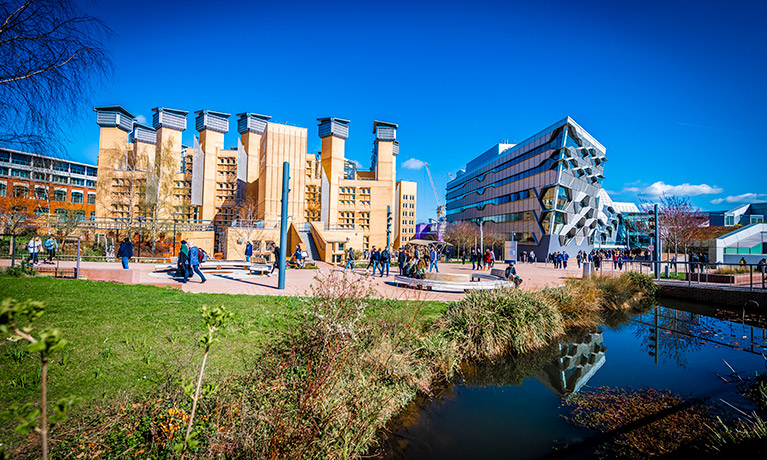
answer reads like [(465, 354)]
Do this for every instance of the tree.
[(679, 221), (51, 56), (461, 234)]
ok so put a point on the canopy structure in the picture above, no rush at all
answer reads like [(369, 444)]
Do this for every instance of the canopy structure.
[(440, 246)]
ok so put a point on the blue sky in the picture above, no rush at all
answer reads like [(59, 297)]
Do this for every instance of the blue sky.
[(674, 90)]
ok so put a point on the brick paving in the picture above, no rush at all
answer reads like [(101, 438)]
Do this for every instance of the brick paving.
[(298, 282)]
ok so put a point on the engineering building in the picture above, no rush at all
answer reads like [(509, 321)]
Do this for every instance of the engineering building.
[(542, 192), (146, 171), (46, 189)]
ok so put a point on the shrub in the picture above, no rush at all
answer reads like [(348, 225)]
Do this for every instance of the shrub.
[(488, 324)]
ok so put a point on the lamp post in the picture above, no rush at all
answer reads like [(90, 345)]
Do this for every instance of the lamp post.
[(481, 238)]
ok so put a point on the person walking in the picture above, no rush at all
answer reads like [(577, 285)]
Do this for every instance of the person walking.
[(276, 253), (125, 252), (473, 258), (194, 262), (183, 261), (433, 260), (488, 259), (248, 251), (33, 247), (579, 258), (51, 245), (401, 260), (371, 254), (299, 257), (565, 258), (492, 259), (349, 259), (385, 261)]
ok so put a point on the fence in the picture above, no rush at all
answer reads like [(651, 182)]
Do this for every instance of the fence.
[(750, 276)]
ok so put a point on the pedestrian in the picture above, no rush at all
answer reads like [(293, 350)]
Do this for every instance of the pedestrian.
[(349, 259), (488, 259), (248, 251), (183, 264), (473, 258), (579, 258), (565, 258), (597, 259), (704, 262), (33, 247), (195, 256), (433, 260), (463, 257), (277, 256), (299, 256), (742, 261), (370, 261), (492, 259), (401, 260), (51, 245), (385, 261), (620, 262), (125, 252), (375, 259)]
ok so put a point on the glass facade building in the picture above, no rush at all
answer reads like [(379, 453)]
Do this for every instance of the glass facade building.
[(542, 192)]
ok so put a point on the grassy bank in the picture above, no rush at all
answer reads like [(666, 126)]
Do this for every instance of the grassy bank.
[(291, 377)]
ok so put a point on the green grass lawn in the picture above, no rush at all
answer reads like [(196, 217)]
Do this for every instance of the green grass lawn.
[(125, 339)]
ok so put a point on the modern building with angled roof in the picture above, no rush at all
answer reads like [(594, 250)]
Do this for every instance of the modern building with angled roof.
[(542, 192)]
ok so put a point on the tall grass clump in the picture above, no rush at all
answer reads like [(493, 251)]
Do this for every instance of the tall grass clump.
[(488, 324), (746, 438)]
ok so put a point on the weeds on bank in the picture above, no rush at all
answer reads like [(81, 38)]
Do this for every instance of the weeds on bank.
[(324, 389)]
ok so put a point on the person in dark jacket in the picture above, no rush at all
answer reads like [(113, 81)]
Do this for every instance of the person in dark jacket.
[(184, 265), (385, 261), (401, 260), (125, 252), (276, 253), (248, 251)]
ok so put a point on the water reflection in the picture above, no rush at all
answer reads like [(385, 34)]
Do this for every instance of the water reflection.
[(577, 362), (512, 407)]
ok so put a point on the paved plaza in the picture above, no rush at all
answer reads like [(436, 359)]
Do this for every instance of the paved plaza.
[(298, 282)]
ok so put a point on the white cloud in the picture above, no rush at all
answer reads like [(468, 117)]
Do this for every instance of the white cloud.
[(141, 119), (413, 163), (661, 188), (744, 198), (359, 165)]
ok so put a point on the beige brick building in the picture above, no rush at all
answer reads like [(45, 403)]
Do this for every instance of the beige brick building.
[(146, 172)]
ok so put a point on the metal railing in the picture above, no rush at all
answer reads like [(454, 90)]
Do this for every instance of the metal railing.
[(746, 276)]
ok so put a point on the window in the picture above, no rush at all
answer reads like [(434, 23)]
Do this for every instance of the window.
[(77, 197), (19, 159), (59, 179), (3, 171), (41, 210), (41, 193), (60, 166), (90, 183), (91, 198), (20, 173), (61, 213), (3, 189), (60, 195), (76, 169), (38, 176), (76, 181), (93, 215), (79, 214), (91, 172), (20, 191), (5, 156)]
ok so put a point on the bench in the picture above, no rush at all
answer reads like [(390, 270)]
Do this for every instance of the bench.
[(221, 265), (484, 277), (449, 286)]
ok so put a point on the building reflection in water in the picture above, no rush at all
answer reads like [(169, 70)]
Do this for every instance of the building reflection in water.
[(576, 363)]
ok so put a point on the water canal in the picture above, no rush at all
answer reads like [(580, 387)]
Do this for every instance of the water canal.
[(512, 409)]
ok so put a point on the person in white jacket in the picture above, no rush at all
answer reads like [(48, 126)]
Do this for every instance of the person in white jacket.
[(33, 247)]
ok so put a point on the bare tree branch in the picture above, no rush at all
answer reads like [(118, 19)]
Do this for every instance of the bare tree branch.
[(52, 55)]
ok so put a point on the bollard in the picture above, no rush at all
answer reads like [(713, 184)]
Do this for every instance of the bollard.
[(588, 268)]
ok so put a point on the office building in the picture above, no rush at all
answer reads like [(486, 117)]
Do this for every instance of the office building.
[(46, 191), (542, 192), (146, 171)]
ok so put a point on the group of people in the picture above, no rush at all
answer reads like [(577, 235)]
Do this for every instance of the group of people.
[(412, 262), (482, 260), (36, 245), (189, 259), (559, 259)]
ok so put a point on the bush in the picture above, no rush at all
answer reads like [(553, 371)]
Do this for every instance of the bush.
[(488, 324), (23, 269)]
